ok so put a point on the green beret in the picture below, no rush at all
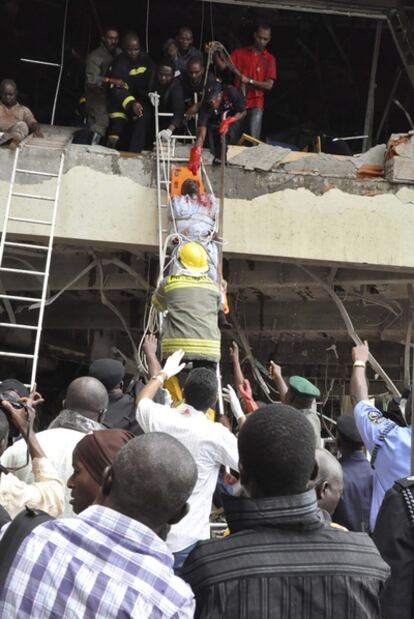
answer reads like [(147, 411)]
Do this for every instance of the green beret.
[(303, 386)]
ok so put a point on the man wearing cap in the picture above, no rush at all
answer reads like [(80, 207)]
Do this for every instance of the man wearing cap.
[(299, 393), (388, 443), (221, 114), (121, 406), (355, 504), (191, 301)]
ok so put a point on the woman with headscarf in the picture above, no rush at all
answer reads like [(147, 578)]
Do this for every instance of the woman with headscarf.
[(91, 456)]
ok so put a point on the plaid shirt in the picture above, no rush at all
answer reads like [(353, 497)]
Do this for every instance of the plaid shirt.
[(99, 564)]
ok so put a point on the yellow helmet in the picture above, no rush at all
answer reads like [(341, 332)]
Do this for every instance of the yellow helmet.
[(193, 256)]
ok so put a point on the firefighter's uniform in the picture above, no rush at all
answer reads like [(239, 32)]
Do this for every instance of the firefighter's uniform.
[(137, 75)]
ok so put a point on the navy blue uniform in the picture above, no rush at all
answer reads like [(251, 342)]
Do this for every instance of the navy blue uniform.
[(354, 507)]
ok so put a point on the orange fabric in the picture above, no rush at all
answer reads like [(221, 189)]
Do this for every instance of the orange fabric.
[(180, 174)]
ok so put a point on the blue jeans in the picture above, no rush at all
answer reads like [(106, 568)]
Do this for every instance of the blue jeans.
[(253, 122), (180, 557)]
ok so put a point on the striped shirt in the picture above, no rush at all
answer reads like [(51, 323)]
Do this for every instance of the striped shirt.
[(100, 564), (283, 560)]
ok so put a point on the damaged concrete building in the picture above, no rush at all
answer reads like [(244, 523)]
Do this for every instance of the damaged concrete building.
[(299, 230)]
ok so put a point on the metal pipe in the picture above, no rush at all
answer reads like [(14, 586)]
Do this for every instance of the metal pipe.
[(47, 64)]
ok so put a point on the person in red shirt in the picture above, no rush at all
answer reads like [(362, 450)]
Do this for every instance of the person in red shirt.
[(255, 73)]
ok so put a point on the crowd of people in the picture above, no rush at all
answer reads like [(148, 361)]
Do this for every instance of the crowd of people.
[(107, 512), (206, 94)]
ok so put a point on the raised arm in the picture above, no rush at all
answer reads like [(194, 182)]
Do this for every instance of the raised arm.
[(275, 373), (47, 490), (171, 367), (359, 384)]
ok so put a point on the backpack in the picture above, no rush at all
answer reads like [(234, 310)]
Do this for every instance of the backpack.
[(17, 530)]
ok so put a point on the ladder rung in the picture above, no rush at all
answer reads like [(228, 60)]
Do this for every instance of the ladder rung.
[(22, 171), (165, 182), (22, 271), (31, 221), (32, 196), (13, 325), (26, 245), (15, 354), (13, 297)]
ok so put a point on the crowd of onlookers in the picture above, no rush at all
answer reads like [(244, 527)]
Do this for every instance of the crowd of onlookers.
[(106, 513), (197, 88)]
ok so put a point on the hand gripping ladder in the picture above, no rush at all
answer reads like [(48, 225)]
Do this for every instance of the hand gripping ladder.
[(16, 198)]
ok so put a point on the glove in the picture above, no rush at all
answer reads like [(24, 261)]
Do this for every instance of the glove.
[(165, 134), (195, 159), (173, 364), (229, 395), (153, 97), (225, 124), (245, 390)]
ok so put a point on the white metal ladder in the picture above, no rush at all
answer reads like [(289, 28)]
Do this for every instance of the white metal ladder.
[(48, 224), (166, 155)]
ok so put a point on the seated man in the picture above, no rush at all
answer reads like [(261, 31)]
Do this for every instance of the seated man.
[(129, 76), (97, 64), (111, 560), (220, 115), (16, 121), (191, 300), (171, 98), (281, 558)]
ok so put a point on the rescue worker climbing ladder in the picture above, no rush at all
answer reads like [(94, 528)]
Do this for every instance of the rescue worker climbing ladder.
[(190, 298)]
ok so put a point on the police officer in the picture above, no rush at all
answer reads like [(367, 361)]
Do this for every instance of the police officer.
[(394, 537), (354, 506), (130, 77), (388, 443)]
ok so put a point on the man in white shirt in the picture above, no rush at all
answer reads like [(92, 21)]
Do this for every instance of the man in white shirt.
[(211, 444)]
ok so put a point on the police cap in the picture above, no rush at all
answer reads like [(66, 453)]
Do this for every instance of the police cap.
[(109, 371), (347, 429)]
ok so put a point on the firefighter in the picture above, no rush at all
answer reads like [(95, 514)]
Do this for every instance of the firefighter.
[(191, 300), (128, 101), (171, 95)]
